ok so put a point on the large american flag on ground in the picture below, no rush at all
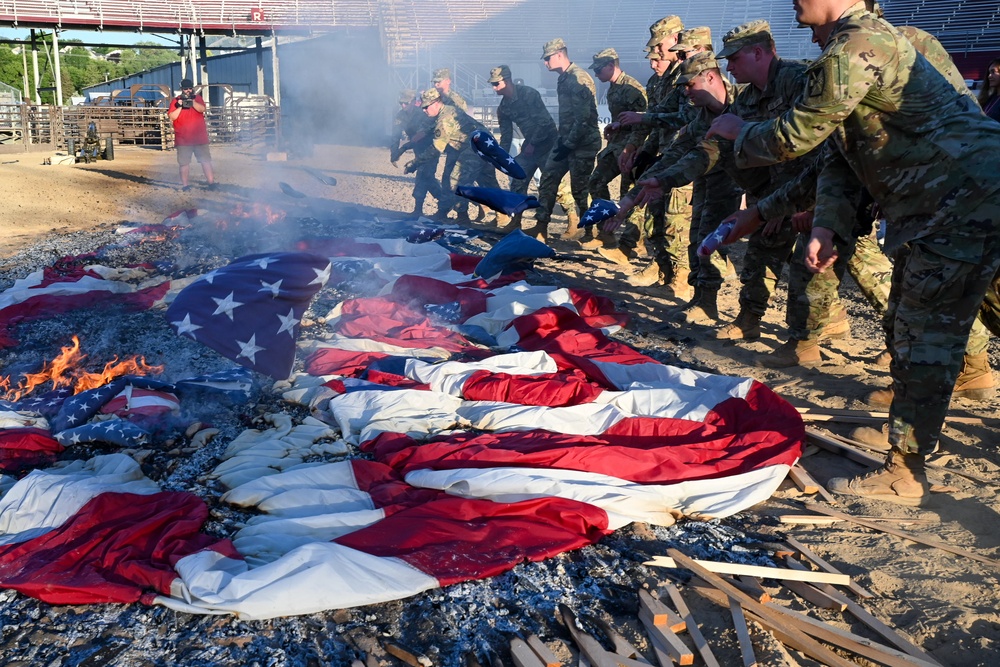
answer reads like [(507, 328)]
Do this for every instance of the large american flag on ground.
[(515, 429)]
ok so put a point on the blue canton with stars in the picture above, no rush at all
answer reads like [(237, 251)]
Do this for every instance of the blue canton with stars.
[(488, 148), (599, 211), (250, 310)]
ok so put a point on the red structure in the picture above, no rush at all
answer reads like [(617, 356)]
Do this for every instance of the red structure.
[(208, 16)]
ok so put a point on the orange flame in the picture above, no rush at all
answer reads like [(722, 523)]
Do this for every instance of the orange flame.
[(257, 211), (66, 370)]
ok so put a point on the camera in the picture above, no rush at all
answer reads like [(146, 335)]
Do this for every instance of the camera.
[(186, 100)]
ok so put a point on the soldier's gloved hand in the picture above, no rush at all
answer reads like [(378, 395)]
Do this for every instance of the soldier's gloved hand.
[(410, 167), (561, 151)]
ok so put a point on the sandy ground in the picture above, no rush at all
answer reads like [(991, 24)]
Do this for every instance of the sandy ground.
[(946, 604)]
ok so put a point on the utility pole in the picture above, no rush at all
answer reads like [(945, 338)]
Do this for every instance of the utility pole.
[(55, 53)]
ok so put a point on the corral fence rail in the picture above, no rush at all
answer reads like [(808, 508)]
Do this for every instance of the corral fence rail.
[(31, 125)]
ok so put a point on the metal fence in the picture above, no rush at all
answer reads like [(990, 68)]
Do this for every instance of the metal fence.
[(34, 125)]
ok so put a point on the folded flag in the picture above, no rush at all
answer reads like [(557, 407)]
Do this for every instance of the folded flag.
[(599, 211), (489, 149), (512, 253), (497, 199), (250, 310)]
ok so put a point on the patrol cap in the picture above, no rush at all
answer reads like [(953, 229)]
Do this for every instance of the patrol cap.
[(652, 55), (429, 97), (695, 65), (441, 75), (552, 46), (498, 74), (754, 32), (663, 28), (603, 58), (407, 96), (688, 39)]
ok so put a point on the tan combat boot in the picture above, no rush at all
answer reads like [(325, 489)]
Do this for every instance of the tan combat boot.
[(976, 379), (746, 326), (616, 255), (651, 275), (540, 231), (679, 287), (793, 353), (975, 382), (573, 231), (877, 439), (840, 327), (703, 309), (900, 480), (883, 359)]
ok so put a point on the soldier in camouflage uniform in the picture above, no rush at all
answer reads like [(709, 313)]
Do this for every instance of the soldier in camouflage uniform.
[(452, 129), (579, 139), (668, 221), (687, 159), (441, 80), (523, 106), (418, 129), (624, 94), (927, 155)]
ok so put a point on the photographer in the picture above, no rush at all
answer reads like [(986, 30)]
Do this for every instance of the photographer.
[(187, 112)]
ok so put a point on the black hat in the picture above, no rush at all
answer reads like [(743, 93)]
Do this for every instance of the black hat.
[(187, 83)]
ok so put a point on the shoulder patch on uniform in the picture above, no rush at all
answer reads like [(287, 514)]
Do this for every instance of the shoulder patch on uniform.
[(827, 78)]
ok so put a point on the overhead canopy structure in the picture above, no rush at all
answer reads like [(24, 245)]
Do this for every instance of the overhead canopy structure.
[(205, 16)]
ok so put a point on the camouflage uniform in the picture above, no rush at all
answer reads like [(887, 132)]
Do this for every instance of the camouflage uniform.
[(526, 109), (624, 94), (689, 158), (451, 98), (418, 129), (669, 221), (452, 129), (578, 132), (927, 154)]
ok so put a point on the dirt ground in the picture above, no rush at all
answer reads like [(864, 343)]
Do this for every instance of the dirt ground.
[(946, 604)]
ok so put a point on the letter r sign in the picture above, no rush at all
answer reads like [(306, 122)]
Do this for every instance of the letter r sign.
[(257, 15)]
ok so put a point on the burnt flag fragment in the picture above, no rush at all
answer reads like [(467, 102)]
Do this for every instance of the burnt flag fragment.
[(250, 311)]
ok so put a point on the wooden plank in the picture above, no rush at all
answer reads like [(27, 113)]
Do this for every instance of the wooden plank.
[(795, 637), (621, 645), (660, 613), (700, 643), (522, 655), (818, 561), (543, 652), (819, 630), (857, 644), (814, 507), (407, 655), (803, 480), (742, 634), (837, 414), (836, 446), (820, 520), (874, 623), (809, 592), (667, 641), (757, 571), (751, 586), (589, 647)]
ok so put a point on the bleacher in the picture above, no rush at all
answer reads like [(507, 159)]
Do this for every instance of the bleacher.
[(961, 25)]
